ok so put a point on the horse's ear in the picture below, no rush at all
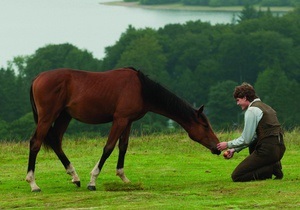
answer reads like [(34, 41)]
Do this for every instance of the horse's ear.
[(200, 110)]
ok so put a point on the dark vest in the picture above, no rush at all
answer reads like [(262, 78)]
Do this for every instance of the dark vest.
[(269, 124)]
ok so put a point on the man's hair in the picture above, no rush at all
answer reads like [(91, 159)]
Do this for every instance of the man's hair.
[(245, 90)]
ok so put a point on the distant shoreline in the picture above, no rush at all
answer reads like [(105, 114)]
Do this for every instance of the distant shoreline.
[(192, 8)]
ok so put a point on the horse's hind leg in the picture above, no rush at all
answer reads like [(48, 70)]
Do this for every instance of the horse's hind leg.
[(35, 145), (123, 144), (54, 139), (31, 166)]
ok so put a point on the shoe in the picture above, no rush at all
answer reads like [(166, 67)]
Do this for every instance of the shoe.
[(277, 171), (278, 174)]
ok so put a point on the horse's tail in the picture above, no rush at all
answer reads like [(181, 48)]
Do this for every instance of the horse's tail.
[(33, 106)]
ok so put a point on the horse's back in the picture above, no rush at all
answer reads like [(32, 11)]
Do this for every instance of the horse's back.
[(89, 96), (86, 78)]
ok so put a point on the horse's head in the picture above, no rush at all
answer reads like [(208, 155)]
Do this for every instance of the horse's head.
[(202, 132)]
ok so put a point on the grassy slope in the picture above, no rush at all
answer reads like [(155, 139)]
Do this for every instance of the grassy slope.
[(167, 172)]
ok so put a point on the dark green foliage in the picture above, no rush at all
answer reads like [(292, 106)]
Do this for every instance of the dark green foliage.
[(151, 2), (222, 3), (3, 129), (22, 128), (199, 62), (281, 94), (13, 95), (59, 56), (225, 115), (276, 3), (248, 13), (195, 2)]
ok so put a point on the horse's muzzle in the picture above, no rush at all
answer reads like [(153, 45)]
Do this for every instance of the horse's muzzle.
[(215, 151)]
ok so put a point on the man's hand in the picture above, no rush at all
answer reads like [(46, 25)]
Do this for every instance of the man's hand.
[(229, 153), (222, 145)]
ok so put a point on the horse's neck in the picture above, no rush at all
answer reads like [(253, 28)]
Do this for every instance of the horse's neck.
[(184, 123)]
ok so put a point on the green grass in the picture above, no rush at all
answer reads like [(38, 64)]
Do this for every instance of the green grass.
[(166, 172)]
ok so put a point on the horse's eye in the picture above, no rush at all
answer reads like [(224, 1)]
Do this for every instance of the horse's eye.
[(203, 121), (205, 124)]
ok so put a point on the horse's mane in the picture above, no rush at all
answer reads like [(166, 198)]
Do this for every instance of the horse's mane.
[(158, 96)]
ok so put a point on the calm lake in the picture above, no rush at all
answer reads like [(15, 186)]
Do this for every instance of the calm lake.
[(27, 25)]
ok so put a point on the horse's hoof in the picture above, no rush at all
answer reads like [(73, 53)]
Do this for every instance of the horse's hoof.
[(77, 183), (36, 190), (91, 188)]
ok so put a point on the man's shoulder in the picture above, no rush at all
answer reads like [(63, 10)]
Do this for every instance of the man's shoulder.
[(256, 102), (253, 110)]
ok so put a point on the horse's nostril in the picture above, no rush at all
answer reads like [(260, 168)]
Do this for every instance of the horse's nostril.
[(216, 151)]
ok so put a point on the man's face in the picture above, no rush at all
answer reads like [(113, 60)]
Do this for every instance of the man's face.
[(242, 102)]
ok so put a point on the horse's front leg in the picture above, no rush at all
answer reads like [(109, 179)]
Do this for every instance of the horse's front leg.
[(123, 144), (75, 178), (117, 129), (96, 170)]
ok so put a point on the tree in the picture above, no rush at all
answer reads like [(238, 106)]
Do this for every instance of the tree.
[(186, 86), (3, 130), (275, 89), (248, 13), (206, 74), (22, 128), (11, 89), (196, 2), (237, 62), (198, 61), (59, 56), (275, 2), (113, 53), (271, 48), (150, 2), (222, 110), (145, 53), (18, 64)]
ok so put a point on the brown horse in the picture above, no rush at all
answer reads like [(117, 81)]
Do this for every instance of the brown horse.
[(119, 96)]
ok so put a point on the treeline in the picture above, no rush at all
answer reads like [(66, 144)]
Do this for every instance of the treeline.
[(222, 3), (199, 62)]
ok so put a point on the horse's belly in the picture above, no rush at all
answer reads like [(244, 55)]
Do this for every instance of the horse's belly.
[(90, 114), (96, 120)]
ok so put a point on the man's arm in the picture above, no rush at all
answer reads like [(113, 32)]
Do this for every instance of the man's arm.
[(252, 117)]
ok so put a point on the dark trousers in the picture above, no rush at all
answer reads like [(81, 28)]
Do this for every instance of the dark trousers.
[(259, 165)]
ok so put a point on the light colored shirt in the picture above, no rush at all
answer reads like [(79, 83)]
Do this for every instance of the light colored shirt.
[(252, 117)]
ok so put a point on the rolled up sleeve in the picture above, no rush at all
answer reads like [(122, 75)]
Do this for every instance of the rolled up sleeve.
[(252, 117)]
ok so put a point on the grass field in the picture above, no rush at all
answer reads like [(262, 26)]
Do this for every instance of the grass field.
[(166, 172)]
